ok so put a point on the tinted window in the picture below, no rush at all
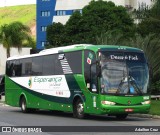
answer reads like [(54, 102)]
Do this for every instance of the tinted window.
[(58, 67), (8, 69), (48, 65), (73, 62), (26, 66), (37, 66), (18, 68), (12, 68)]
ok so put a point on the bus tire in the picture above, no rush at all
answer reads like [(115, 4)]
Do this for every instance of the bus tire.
[(78, 109), (23, 105), (121, 116)]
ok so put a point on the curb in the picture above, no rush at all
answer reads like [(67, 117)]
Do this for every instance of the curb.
[(145, 116), (3, 104)]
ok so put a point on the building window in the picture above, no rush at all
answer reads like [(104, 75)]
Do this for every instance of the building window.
[(45, 13), (60, 12), (43, 28), (43, 43), (79, 10)]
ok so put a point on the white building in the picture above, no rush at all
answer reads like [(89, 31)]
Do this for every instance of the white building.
[(13, 51), (49, 11), (62, 5)]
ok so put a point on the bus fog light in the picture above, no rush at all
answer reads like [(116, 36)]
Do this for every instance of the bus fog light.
[(146, 102), (108, 103)]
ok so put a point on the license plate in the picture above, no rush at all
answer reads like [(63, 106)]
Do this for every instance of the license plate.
[(128, 110)]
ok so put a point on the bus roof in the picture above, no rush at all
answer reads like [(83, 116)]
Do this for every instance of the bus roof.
[(75, 47)]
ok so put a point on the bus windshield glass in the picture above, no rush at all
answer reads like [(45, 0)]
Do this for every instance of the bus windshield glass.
[(124, 73)]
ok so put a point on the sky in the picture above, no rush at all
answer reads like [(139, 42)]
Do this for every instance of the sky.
[(4, 3)]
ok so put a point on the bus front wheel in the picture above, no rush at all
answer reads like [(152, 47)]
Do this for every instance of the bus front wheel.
[(78, 110)]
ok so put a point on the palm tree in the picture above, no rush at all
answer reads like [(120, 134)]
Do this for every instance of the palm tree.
[(14, 35), (155, 10), (151, 47), (111, 37)]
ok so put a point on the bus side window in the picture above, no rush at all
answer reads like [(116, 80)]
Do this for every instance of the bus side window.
[(12, 68), (37, 65), (8, 71), (26, 66), (74, 60), (17, 68), (58, 67), (48, 65)]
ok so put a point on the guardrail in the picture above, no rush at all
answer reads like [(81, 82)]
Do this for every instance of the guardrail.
[(155, 97)]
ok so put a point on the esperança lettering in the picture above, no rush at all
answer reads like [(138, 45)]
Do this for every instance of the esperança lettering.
[(43, 80)]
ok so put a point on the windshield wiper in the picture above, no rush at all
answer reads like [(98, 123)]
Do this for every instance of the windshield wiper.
[(135, 86), (125, 84)]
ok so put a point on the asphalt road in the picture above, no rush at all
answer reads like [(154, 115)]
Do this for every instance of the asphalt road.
[(12, 116)]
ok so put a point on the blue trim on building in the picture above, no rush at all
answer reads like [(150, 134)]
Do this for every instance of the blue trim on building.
[(43, 21)]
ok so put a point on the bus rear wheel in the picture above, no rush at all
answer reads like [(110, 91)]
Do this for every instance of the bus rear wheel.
[(78, 110), (121, 116), (23, 105)]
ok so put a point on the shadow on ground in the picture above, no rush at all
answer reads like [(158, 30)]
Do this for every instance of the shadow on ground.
[(70, 115)]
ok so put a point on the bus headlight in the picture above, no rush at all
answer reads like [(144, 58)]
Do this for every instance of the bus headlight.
[(146, 102), (108, 103)]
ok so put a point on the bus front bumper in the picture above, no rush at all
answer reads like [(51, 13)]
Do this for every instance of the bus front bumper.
[(113, 109)]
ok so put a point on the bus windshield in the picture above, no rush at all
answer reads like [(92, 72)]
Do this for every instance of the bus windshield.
[(124, 73)]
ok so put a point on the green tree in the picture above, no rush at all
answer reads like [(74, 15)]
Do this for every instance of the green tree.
[(111, 37), (100, 16), (75, 29), (149, 19), (97, 18), (15, 35), (150, 44), (55, 34)]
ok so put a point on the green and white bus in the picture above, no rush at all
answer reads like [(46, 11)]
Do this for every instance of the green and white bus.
[(83, 79)]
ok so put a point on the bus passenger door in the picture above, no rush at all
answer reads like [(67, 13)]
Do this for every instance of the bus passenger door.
[(92, 101)]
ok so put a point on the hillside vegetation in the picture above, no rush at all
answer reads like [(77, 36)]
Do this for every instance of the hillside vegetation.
[(25, 14)]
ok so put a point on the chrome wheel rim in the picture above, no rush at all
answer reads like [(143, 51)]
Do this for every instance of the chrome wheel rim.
[(80, 108), (23, 106)]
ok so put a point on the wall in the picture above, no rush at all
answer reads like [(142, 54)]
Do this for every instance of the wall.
[(13, 52)]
